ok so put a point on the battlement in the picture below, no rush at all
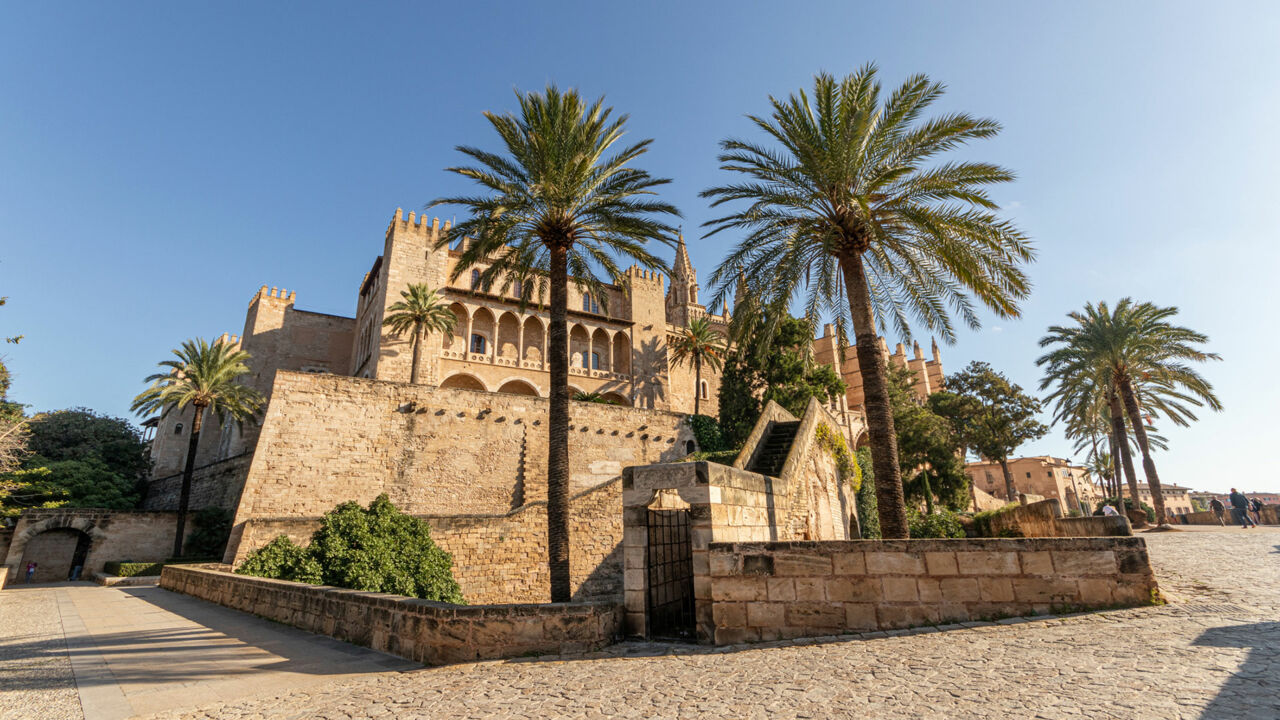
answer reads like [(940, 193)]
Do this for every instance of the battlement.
[(229, 339), (275, 293), (635, 272), (415, 225)]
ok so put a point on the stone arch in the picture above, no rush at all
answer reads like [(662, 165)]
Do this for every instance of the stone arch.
[(864, 440), (519, 386), (616, 397), (81, 525), (508, 337), (600, 350), (579, 346), (483, 324), (621, 353), (702, 390), (464, 381), (574, 390), (534, 340), (457, 340)]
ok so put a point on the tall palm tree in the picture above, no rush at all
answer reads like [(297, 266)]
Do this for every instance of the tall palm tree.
[(560, 200), (205, 376), (702, 344), (1140, 358), (419, 311), (847, 201)]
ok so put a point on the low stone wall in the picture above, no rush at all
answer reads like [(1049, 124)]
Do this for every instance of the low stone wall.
[(767, 591), (133, 535), (1270, 515), (1044, 519), (428, 632)]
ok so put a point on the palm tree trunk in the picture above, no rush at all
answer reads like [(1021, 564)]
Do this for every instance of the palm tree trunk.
[(417, 351), (1148, 465), (892, 507), (188, 471), (697, 384), (1122, 439), (558, 429), (1011, 493), (1114, 488)]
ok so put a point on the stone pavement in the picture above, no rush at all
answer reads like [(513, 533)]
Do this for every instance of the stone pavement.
[(1214, 652)]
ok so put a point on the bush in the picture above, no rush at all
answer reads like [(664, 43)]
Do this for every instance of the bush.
[(378, 549), (942, 524), (723, 457), (982, 522), (868, 509), (132, 569), (1128, 505), (209, 539), (706, 430)]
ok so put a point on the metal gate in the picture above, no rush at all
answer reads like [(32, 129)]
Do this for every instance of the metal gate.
[(670, 569)]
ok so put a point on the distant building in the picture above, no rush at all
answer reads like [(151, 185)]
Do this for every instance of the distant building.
[(1041, 475), (1177, 499)]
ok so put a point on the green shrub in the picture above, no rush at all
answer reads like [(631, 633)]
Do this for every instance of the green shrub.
[(132, 569), (868, 509), (706, 430), (723, 457), (1128, 505), (378, 549), (209, 539), (941, 524), (982, 522)]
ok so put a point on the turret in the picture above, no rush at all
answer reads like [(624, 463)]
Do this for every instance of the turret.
[(683, 295)]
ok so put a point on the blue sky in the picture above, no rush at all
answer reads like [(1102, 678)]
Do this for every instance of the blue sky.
[(160, 161)]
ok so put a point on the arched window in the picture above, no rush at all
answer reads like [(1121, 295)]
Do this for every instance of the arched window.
[(475, 279), (702, 390), (595, 361), (477, 344), (589, 304), (518, 288)]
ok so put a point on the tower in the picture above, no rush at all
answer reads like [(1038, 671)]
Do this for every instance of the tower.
[(651, 377), (683, 294)]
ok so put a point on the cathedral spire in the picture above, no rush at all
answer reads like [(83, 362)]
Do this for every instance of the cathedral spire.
[(682, 268)]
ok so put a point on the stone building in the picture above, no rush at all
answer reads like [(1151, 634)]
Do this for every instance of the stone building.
[(1045, 476), (1177, 499)]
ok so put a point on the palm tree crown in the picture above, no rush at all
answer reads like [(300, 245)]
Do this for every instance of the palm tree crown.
[(205, 375), (703, 345), (419, 312), (846, 204), (560, 201)]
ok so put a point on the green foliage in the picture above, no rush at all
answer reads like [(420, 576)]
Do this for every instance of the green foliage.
[(982, 522), (132, 569), (205, 375), (723, 457), (67, 483), (82, 434), (209, 539), (706, 430), (990, 414), (1128, 505), (378, 549), (834, 443), (868, 512), (282, 559), (773, 366), (593, 398), (929, 452), (942, 524)]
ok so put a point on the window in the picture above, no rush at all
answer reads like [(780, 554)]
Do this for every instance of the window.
[(595, 361), (1028, 473), (1051, 474), (475, 279), (177, 429), (478, 343), (589, 304), (518, 288), (702, 389)]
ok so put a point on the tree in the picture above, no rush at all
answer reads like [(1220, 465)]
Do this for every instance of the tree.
[(1140, 360), (848, 203), (991, 415), (205, 376), (929, 451), (560, 201), (780, 369), (700, 343), (82, 434), (419, 312), (67, 483)]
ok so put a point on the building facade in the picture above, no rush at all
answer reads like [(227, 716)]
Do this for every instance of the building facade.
[(1047, 476)]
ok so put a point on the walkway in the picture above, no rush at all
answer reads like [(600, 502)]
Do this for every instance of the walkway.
[(1213, 653)]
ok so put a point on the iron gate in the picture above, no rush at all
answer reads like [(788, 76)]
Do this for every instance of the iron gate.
[(670, 569)]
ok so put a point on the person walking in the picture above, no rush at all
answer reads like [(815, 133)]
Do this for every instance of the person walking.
[(31, 570), (1240, 509), (1219, 510), (1255, 506)]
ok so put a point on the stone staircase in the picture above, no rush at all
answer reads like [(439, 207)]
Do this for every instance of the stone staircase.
[(773, 454)]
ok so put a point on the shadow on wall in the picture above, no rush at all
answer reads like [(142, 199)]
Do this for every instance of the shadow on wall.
[(648, 389), (605, 581), (1245, 693)]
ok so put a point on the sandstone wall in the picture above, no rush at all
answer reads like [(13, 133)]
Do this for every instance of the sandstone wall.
[(214, 485), (1044, 519), (136, 536), (428, 632), (767, 591)]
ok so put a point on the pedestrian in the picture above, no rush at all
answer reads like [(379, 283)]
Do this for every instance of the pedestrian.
[(1255, 505), (31, 570), (1240, 509), (1109, 511), (1218, 509)]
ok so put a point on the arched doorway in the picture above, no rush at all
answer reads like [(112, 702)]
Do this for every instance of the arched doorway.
[(58, 553), (463, 382), (518, 387)]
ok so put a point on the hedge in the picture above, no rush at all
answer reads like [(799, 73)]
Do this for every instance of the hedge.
[(132, 569)]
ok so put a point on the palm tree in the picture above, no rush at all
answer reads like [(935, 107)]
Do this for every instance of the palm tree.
[(560, 201), (1140, 358), (206, 376), (701, 343), (847, 203), (420, 311)]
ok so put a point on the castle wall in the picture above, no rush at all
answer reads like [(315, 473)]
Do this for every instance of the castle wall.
[(215, 485)]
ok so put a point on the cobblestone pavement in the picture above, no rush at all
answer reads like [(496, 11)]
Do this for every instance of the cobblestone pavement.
[(35, 671), (1214, 652)]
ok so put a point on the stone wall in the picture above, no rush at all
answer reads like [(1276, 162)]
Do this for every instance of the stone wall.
[(767, 591), (1044, 519), (428, 632), (137, 536), (214, 485), (503, 558), (1270, 515), (434, 451)]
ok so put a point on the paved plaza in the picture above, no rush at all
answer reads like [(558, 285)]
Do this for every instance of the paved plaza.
[(79, 651)]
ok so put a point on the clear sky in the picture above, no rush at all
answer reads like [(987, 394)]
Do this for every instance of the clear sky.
[(161, 161)]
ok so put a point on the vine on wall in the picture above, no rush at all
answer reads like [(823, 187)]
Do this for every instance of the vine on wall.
[(834, 443)]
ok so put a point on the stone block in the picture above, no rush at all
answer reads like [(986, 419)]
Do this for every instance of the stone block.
[(1086, 562), (905, 616), (724, 564), (811, 589), (899, 589), (1037, 563), (860, 617), (738, 589), (941, 563), (929, 590), (635, 558), (634, 600), (801, 565), (781, 589), (1042, 590), (849, 563), (702, 587), (894, 563), (1096, 591), (729, 614), (857, 589), (959, 590), (734, 636), (995, 590), (988, 562), (766, 614), (701, 564), (816, 615)]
